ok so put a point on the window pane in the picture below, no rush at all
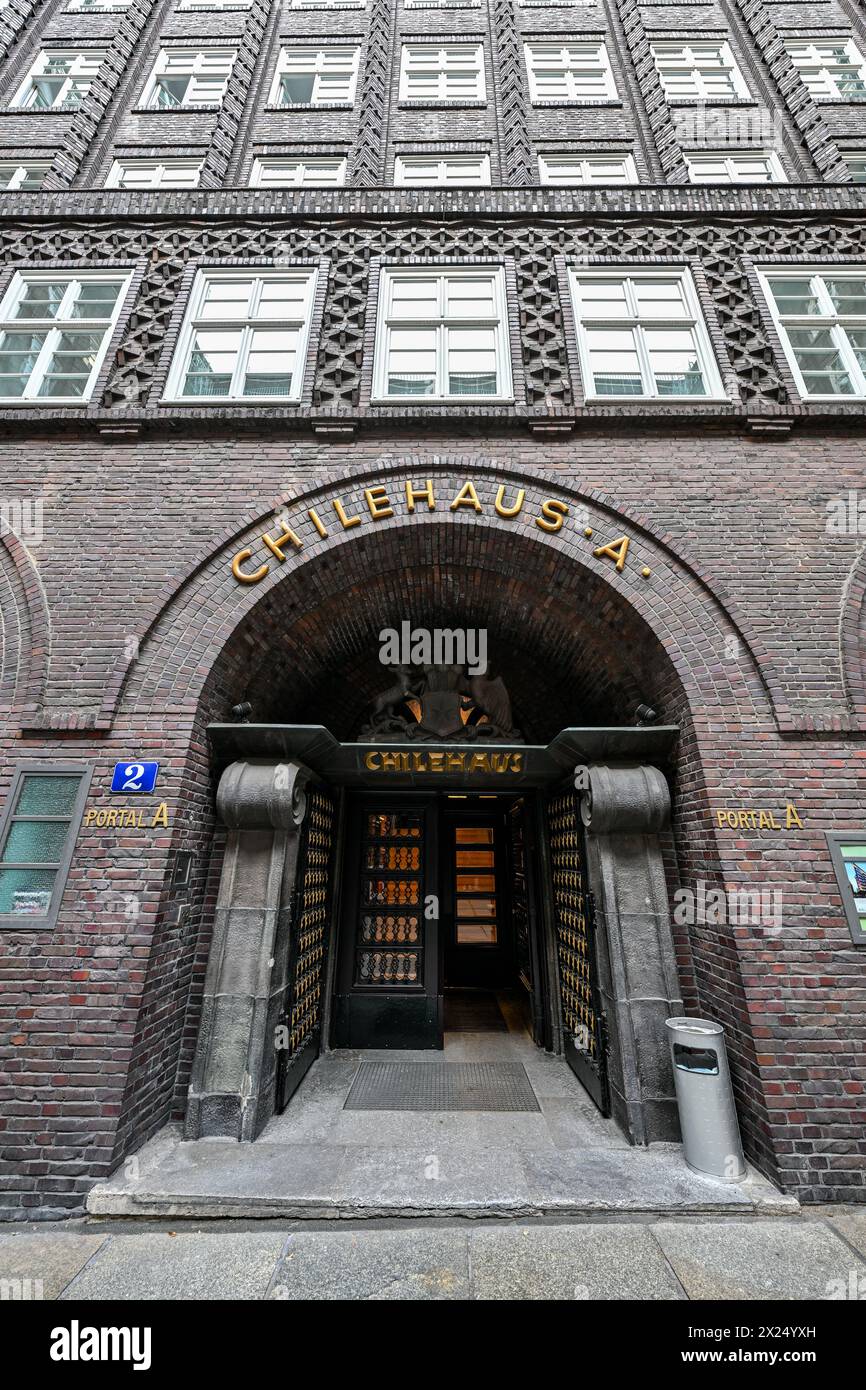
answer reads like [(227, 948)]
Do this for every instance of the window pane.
[(282, 299), (794, 296), (659, 299), (40, 299), (26, 892), (476, 933), (675, 363), (47, 796), (614, 362), (226, 299), (212, 364), (35, 841), (602, 299), (412, 299), (18, 354), (476, 883), (848, 295), (96, 299), (476, 907), (824, 372), (70, 364), (270, 364), (474, 835)]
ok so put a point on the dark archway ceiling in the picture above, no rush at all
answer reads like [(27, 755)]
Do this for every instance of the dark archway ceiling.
[(570, 650)]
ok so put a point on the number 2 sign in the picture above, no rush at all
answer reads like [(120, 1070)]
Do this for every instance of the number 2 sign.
[(134, 777)]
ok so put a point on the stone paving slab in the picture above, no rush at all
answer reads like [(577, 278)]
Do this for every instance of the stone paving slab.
[(158, 1265), (40, 1266), (570, 1262), (852, 1225), (374, 1265), (759, 1259)]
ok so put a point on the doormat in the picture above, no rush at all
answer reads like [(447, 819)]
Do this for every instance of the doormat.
[(441, 1086), (473, 1011)]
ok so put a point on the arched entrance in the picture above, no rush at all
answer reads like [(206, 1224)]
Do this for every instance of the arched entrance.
[(369, 872)]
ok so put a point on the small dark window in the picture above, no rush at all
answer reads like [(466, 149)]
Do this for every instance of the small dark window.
[(36, 841)]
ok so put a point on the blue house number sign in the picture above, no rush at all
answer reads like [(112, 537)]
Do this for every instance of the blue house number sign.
[(134, 777)]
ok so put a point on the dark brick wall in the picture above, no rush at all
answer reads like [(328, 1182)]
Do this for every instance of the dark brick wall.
[(99, 1018)]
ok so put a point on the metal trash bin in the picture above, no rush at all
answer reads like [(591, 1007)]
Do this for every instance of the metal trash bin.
[(708, 1119)]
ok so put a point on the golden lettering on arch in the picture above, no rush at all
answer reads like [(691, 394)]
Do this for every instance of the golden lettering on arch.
[(417, 496)]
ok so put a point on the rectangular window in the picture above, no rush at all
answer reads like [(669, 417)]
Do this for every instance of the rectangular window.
[(856, 163), (154, 173), (832, 69), (299, 173), (452, 72), (215, 4), (102, 6), (315, 77), (54, 332), (36, 844), (188, 77), (820, 316), (569, 72), (443, 4), (16, 178), (699, 71), (328, 4), (570, 170), (59, 80), (443, 335), (735, 166), (442, 170), (641, 334), (244, 337)]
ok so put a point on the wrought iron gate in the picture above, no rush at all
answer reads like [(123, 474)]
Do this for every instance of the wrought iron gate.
[(308, 945), (583, 1022)]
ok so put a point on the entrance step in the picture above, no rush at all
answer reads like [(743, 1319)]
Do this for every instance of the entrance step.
[(215, 1179)]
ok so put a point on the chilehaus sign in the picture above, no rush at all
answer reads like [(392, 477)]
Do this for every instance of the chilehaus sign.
[(381, 502)]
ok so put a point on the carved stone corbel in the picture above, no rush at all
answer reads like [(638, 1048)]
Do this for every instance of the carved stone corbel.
[(625, 809), (263, 803)]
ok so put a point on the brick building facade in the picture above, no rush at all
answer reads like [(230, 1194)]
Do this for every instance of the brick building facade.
[(632, 244)]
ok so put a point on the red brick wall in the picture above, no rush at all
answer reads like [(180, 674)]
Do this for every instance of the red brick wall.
[(97, 1020)]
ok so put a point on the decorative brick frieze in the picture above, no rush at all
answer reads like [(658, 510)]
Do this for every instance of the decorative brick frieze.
[(512, 96), (367, 168), (658, 112), (252, 58)]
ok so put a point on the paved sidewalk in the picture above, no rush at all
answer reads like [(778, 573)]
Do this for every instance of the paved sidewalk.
[(818, 1255)]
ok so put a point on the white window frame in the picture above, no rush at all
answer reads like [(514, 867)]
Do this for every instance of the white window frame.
[(20, 171), (729, 159), (196, 71), (96, 6), (442, 4), (471, 56), (158, 166), (571, 56), (499, 323), (830, 318), (56, 326), (585, 163), (852, 157), (297, 163), (86, 63), (822, 71), (695, 321), (446, 163), (187, 5), (248, 324), (318, 66), (328, 4), (687, 54)]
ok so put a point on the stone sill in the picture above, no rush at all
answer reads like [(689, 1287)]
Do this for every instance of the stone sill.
[(312, 106)]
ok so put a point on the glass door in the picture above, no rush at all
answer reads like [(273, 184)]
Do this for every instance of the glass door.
[(477, 919)]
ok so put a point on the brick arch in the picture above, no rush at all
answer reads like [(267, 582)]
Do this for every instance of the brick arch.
[(679, 604), (852, 641), (25, 629)]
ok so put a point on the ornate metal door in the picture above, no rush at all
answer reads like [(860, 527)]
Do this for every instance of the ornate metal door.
[(308, 946), (583, 1022)]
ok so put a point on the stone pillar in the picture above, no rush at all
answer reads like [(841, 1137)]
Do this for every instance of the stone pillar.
[(231, 1094), (624, 809)]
